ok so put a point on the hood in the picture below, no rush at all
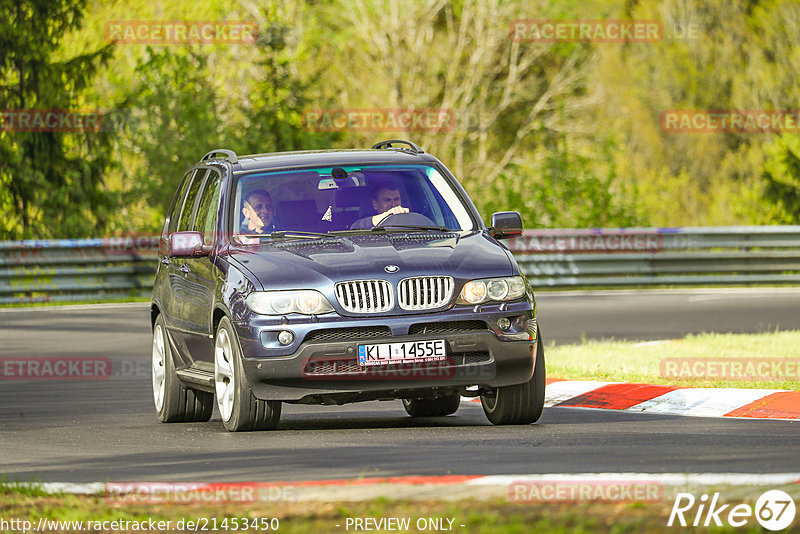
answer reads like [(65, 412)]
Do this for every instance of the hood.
[(320, 263)]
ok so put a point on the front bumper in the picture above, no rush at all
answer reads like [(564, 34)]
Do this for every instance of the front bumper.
[(323, 369)]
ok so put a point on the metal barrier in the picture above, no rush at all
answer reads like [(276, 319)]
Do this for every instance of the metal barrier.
[(101, 269), (728, 255), (76, 269)]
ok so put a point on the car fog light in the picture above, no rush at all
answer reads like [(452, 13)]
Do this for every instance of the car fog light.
[(285, 337), (504, 323)]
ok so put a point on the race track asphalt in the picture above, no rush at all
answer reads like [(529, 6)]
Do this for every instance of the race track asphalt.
[(106, 430)]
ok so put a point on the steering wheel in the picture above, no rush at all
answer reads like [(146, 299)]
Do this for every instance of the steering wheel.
[(406, 219)]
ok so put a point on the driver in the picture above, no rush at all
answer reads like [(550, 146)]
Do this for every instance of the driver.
[(386, 200), (258, 211)]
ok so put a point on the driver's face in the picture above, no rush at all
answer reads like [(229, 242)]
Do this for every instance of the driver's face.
[(387, 199), (260, 205)]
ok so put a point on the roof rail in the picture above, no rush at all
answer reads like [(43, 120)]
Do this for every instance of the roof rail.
[(230, 155), (388, 144)]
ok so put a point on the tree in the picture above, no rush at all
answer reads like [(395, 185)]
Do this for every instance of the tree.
[(190, 100), (177, 118), (51, 181), (782, 176), (273, 112), (506, 97)]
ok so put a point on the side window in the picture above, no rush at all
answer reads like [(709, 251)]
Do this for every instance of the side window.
[(175, 211), (207, 209), (188, 204)]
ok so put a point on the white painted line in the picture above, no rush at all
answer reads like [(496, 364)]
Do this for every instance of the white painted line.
[(557, 392), (324, 492), (701, 402), (668, 479), (542, 292), (77, 307), (90, 488)]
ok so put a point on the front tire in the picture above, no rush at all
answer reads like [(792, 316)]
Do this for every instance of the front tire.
[(240, 410), (174, 402), (520, 404), (437, 407)]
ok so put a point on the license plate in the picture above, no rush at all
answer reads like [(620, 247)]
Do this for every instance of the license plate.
[(409, 351)]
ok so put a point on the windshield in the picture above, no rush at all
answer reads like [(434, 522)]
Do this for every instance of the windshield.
[(347, 198)]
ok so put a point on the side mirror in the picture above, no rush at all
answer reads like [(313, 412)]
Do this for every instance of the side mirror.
[(506, 224), (188, 244)]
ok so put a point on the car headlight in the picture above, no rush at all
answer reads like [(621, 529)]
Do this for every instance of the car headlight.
[(497, 289), (306, 301)]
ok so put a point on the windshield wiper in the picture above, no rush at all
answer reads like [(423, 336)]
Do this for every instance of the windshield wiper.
[(296, 233), (281, 234), (413, 227), (389, 227)]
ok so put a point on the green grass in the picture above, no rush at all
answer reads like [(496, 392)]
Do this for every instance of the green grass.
[(28, 489), (497, 516), (642, 362)]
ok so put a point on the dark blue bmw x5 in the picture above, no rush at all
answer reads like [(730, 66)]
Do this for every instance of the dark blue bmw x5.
[(337, 276)]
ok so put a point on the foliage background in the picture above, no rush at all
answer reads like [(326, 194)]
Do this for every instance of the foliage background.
[(566, 133)]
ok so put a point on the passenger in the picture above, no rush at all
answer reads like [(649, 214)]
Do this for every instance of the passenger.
[(386, 200), (259, 212)]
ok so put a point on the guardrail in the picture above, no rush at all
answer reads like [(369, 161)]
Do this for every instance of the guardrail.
[(99, 269), (728, 255), (76, 269)]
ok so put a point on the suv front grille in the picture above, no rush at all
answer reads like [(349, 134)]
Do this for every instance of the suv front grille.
[(425, 292), (365, 296)]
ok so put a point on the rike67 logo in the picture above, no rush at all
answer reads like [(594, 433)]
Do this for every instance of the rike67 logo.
[(774, 510)]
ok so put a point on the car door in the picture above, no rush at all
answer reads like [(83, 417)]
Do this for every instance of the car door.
[(170, 306), (202, 277), (180, 286)]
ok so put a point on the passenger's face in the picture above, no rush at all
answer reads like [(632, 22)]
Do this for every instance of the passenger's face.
[(261, 206), (387, 199)]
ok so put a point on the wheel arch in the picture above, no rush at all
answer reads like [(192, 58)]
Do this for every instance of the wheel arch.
[(155, 311), (217, 315)]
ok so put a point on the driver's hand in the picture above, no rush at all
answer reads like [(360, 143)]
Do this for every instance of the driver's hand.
[(391, 211), (258, 223)]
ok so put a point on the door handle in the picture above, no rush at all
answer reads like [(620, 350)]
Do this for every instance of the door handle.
[(185, 269)]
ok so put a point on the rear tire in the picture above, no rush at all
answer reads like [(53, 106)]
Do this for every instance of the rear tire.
[(240, 410), (437, 407), (174, 402), (521, 404)]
